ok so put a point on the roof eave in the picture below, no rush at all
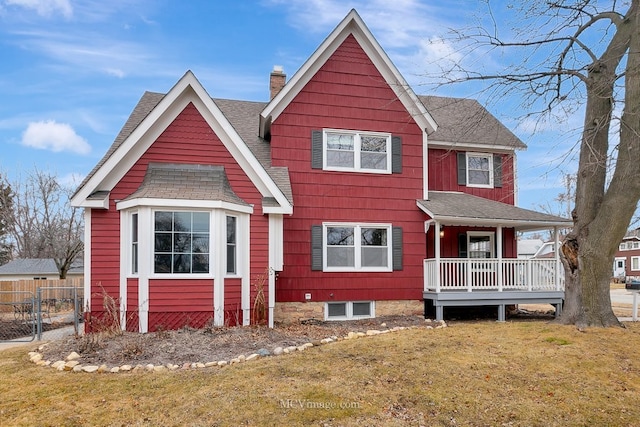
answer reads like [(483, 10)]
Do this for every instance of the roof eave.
[(475, 146)]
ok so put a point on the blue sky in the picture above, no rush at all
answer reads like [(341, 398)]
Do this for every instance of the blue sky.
[(71, 71)]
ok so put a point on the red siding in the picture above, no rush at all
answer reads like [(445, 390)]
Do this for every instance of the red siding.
[(443, 176), (189, 139), (348, 92), (233, 302)]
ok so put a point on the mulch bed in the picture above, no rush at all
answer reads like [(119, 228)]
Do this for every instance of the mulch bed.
[(187, 345)]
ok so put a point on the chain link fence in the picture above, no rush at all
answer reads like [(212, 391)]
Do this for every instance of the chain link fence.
[(48, 313)]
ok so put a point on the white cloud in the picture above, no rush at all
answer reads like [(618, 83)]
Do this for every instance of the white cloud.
[(45, 8), (71, 180), (56, 137), (89, 52)]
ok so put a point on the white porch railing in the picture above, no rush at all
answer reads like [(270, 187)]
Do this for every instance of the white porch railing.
[(508, 274)]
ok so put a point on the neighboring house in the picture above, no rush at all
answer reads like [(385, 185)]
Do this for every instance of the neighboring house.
[(527, 248), (36, 269), (345, 196), (626, 264)]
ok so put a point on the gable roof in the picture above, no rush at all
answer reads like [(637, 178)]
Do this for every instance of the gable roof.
[(454, 208), (353, 25), (465, 123), (150, 117)]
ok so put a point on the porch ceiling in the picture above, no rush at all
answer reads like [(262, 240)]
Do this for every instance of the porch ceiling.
[(455, 208)]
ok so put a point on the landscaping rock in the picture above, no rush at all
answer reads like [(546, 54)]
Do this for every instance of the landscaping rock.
[(70, 365), (73, 356), (59, 365)]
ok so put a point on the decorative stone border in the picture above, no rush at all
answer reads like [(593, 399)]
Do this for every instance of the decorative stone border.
[(72, 361)]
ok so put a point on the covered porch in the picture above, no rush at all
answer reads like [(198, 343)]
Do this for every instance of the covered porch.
[(478, 265)]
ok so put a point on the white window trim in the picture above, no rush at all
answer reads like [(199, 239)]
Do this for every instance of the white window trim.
[(356, 151), (349, 310), (485, 155), (637, 259), (357, 245), (237, 251), (217, 246), (130, 216)]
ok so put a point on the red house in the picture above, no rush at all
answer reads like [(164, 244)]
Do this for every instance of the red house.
[(344, 196), (626, 265)]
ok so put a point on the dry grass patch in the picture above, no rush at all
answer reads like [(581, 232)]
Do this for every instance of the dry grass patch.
[(472, 374)]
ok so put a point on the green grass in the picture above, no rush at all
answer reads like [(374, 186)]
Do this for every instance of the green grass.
[(469, 374)]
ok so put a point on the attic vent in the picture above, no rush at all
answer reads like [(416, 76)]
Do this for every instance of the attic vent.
[(277, 81)]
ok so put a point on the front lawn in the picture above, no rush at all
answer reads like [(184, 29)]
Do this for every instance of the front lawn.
[(468, 374)]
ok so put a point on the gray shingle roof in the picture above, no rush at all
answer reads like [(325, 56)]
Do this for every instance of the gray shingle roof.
[(453, 208), (244, 116), (460, 121), (144, 106), (465, 121), (186, 182), (35, 266)]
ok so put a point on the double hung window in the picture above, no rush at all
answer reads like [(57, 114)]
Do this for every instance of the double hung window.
[(357, 151), (479, 170), (231, 244), (357, 247)]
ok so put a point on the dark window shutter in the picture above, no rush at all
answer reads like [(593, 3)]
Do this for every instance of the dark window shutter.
[(462, 168), (396, 154), (497, 170), (462, 245), (316, 247), (316, 149), (397, 248)]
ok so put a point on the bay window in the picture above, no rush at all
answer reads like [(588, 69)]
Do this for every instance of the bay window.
[(181, 242)]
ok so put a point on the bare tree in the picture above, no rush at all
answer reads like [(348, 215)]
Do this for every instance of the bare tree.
[(574, 55), (6, 206), (42, 223)]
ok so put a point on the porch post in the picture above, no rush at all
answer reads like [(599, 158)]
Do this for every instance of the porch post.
[(556, 238), (436, 234), (499, 255)]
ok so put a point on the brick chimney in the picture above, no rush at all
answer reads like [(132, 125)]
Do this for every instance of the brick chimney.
[(277, 80)]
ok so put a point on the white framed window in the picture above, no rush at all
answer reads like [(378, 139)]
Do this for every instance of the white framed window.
[(232, 241), (134, 243), (347, 150), (480, 170), (636, 245), (622, 246), (635, 263), (181, 242), (349, 310), (357, 247)]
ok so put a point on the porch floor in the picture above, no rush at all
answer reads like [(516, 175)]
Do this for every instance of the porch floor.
[(501, 299)]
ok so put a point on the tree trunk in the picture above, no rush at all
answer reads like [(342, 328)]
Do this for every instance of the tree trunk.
[(602, 217)]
